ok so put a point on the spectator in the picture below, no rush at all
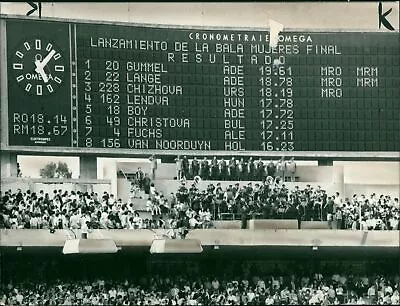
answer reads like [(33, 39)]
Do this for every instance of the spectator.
[(339, 218), (337, 200), (244, 216), (134, 192), (242, 169), (153, 191), (271, 169), (251, 169), (260, 170), (205, 218), (233, 175), (19, 172), (155, 209), (271, 200), (195, 167), (153, 166), (214, 169), (139, 176), (194, 222), (179, 168), (224, 171), (185, 167), (195, 289), (146, 184), (290, 167), (205, 169), (280, 168)]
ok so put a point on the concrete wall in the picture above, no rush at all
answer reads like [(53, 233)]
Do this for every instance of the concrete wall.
[(231, 224), (338, 238), (8, 164), (14, 183), (166, 171), (315, 174), (379, 173), (263, 224), (123, 189), (88, 167), (107, 169), (371, 177), (314, 225)]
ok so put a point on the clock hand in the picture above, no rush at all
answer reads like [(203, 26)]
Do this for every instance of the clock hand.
[(39, 69), (46, 59)]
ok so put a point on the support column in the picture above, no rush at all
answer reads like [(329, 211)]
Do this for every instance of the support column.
[(338, 180), (88, 167), (8, 164)]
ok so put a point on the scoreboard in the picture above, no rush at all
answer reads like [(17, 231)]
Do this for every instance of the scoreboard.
[(85, 85)]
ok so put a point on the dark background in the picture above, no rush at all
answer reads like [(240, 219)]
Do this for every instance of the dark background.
[(132, 262)]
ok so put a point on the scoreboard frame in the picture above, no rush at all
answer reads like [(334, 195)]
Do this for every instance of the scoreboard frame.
[(122, 152)]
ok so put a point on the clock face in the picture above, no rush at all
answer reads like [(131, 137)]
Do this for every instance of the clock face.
[(38, 67)]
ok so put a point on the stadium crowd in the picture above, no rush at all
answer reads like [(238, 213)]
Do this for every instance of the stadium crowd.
[(190, 208), (234, 169), (307, 289)]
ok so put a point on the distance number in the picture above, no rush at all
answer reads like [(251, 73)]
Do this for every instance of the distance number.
[(33, 130), (281, 70), (281, 81)]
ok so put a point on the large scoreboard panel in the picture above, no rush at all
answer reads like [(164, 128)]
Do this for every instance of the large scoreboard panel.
[(140, 87)]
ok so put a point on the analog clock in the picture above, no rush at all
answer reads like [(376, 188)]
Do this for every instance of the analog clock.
[(38, 67)]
